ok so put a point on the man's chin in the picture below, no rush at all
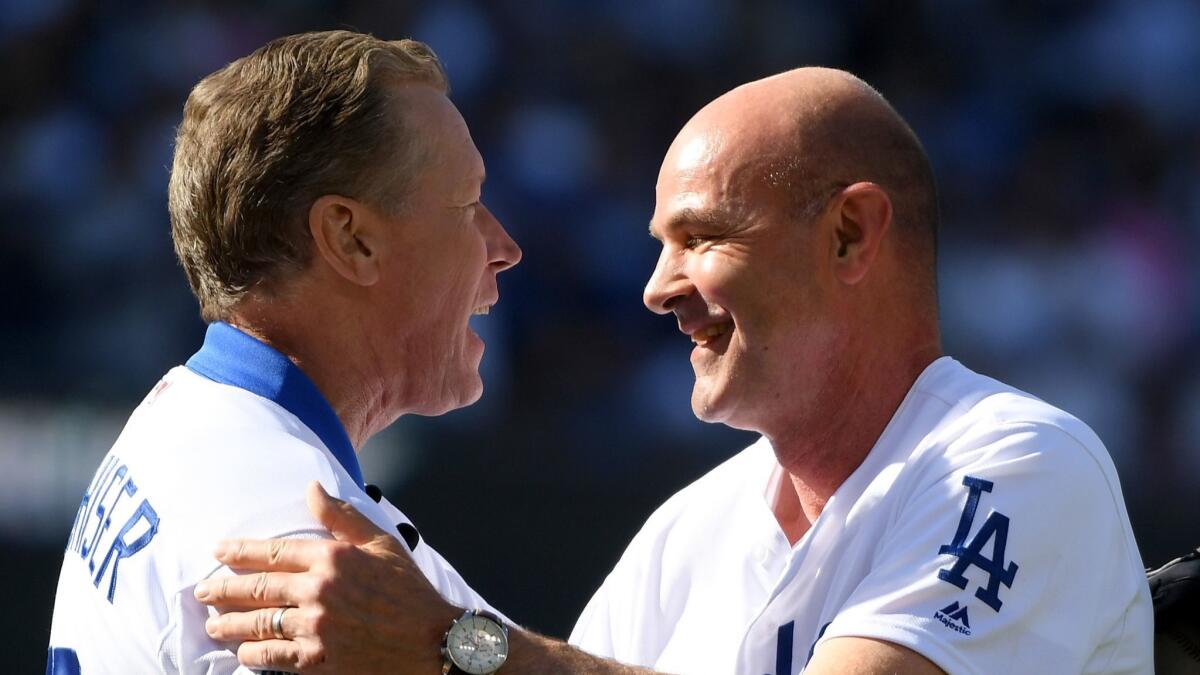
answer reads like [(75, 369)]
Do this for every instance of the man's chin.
[(470, 391), (708, 407), (467, 392), (721, 407)]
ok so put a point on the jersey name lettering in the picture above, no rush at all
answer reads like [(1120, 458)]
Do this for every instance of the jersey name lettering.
[(994, 529), (62, 661), (112, 491)]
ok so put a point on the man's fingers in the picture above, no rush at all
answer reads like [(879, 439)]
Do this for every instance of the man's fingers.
[(255, 625), (274, 555), (250, 591), (283, 655), (342, 520)]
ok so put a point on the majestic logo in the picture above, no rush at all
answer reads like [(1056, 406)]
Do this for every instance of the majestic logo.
[(954, 617), (995, 530)]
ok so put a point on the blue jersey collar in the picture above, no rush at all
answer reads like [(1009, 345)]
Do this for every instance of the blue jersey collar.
[(232, 357)]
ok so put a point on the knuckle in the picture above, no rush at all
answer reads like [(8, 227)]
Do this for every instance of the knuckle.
[(276, 550), (262, 624), (318, 620), (306, 589), (261, 584), (340, 553), (325, 553), (323, 588), (312, 655)]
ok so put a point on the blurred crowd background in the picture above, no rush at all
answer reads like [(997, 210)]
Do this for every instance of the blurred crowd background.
[(1065, 135)]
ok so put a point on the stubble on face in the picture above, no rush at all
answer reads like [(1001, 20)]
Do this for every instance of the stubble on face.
[(822, 353), (759, 267)]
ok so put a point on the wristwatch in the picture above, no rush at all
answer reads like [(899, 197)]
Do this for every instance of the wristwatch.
[(476, 644)]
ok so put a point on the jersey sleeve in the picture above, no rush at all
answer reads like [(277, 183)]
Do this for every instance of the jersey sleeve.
[(593, 630), (1009, 554), (450, 583), (613, 625), (625, 620), (185, 646)]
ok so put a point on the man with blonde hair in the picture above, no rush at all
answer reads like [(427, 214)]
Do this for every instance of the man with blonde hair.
[(325, 206)]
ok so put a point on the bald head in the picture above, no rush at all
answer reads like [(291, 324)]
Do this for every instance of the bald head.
[(796, 217), (811, 131)]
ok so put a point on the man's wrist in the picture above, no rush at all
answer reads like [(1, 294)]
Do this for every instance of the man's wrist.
[(533, 654), (439, 621), (476, 643)]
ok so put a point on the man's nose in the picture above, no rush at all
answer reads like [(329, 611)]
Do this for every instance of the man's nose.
[(503, 251), (667, 285)]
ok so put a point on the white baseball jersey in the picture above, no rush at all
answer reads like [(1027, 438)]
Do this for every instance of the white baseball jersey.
[(985, 530), (221, 448)]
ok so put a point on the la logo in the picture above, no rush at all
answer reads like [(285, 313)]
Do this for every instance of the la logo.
[(994, 529)]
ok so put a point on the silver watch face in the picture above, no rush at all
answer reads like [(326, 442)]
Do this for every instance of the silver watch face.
[(477, 645)]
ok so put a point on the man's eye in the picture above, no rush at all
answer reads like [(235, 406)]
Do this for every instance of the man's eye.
[(694, 241)]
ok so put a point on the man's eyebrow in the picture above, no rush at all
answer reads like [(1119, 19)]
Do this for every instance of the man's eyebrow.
[(706, 218)]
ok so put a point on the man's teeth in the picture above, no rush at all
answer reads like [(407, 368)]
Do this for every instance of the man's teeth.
[(706, 335), (481, 310)]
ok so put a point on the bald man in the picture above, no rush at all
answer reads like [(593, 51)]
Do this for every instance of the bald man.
[(900, 513)]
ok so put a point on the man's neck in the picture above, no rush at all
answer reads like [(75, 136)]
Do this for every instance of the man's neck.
[(326, 352), (820, 453)]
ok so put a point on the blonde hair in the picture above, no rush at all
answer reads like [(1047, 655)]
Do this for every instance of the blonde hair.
[(265, 136)]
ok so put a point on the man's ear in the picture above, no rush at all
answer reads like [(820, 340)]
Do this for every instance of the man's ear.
[(346, 234), (863, 217)]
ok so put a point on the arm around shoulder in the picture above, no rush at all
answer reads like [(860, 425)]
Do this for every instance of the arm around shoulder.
[(867, 656), (533, 654)]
